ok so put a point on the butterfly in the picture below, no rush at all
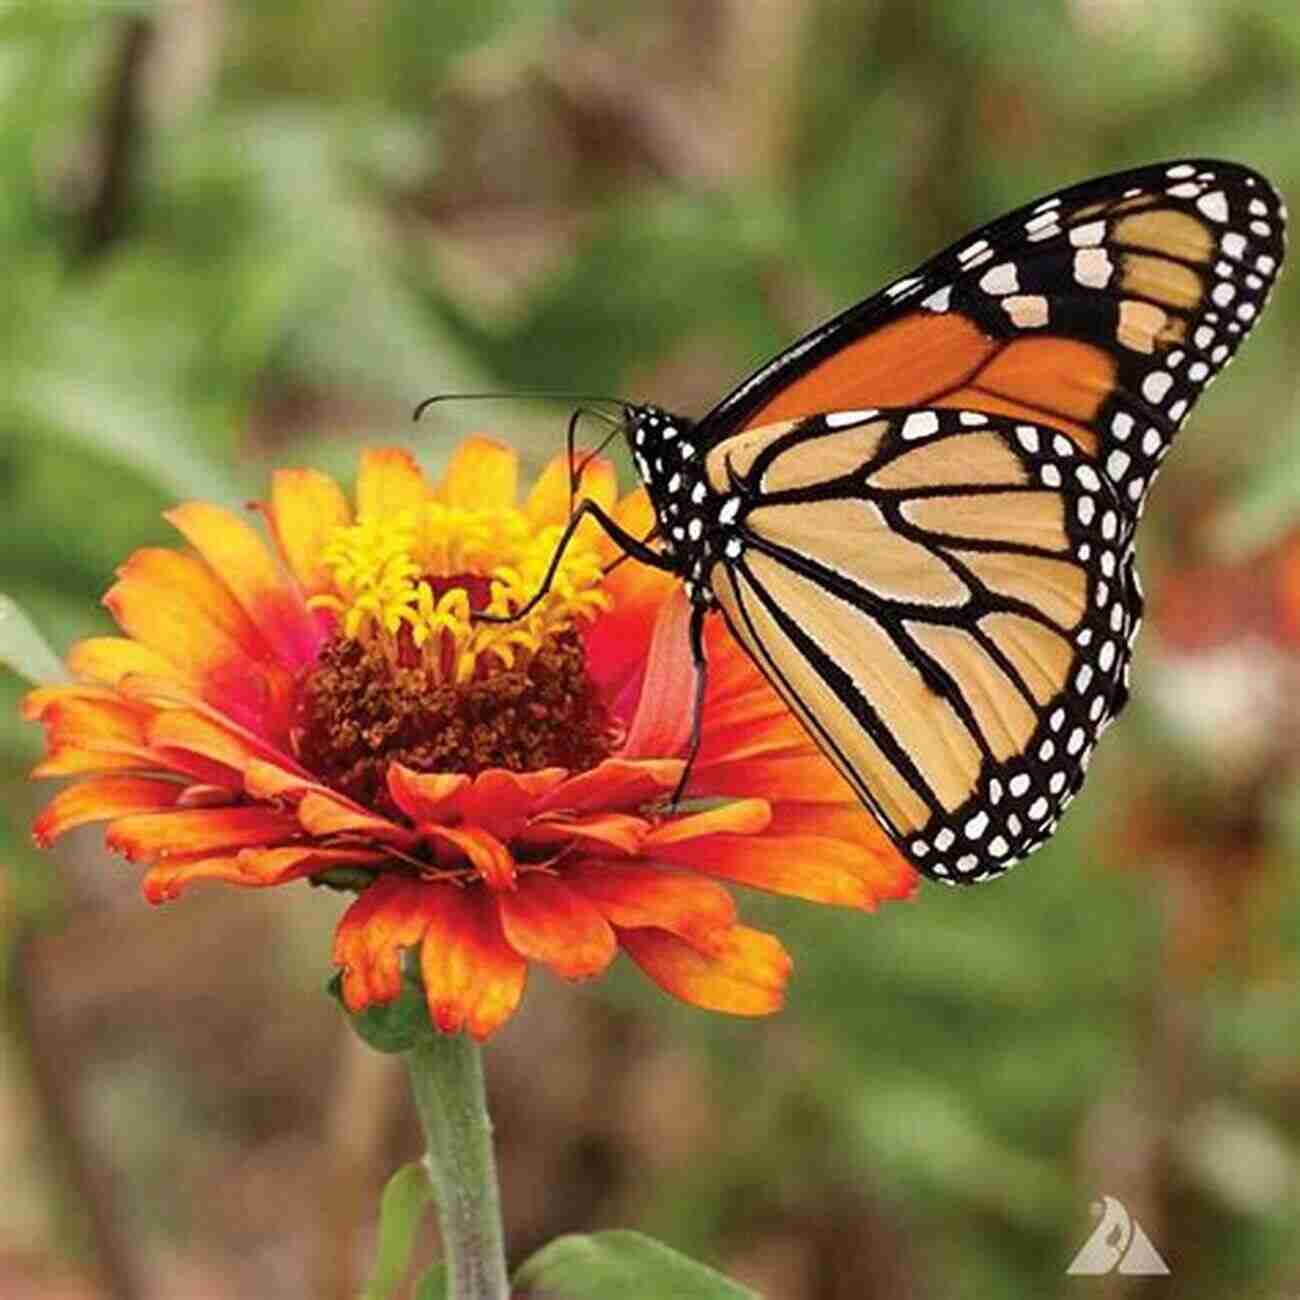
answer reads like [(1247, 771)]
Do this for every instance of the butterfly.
[(918, 520)]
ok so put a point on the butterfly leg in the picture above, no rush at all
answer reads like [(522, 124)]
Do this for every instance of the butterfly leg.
[(701, 663), (633, 546), (578, 469)]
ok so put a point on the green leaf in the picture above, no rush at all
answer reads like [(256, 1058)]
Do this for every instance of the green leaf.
[(24, 649), (623, 1264), (402, 1206)]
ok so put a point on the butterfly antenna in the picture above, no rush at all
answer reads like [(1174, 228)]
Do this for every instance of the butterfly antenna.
[(525, 395)]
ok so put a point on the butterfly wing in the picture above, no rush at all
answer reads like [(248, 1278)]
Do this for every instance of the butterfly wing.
[(946, 600), (1103, 310)]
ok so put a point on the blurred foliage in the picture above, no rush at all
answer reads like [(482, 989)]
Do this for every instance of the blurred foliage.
[(239, 235)]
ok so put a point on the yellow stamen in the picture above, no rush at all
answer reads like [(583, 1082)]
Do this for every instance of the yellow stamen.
[(386, 573)]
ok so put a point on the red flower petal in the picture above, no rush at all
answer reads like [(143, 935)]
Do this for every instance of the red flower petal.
[(426, 796), (473, 979), (486, 854), (547, 921), (389, 916), (615, 783), (238, 555), (101, 800), (501, 801), (324, 813), (616, 831), (661, 726), (175, 605), (745, 976)]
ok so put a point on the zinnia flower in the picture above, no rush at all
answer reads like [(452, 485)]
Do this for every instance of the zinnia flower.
[(497, 793)]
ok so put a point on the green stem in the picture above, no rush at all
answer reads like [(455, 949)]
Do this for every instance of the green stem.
[(447, 1079)]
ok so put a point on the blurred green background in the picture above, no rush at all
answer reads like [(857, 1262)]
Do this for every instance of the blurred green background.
[(240, 234)]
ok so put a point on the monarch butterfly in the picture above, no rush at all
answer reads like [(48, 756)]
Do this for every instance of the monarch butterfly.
[(919, 518)]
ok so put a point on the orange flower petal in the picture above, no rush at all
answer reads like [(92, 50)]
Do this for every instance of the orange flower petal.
[(149, 836), (250, 868), (75, 760), (305, 507), (276, 866), (634, 895), (175, 605), (171, 696), (548, 501), (390, 482), (615, 783), (547, 921), (500, 801), (746, 976), (322, 812), (426, 796), (167, 880), (38, 702), (814, 867), (487, 855), (101, 800), (235, 551), (389, 916), (481, 475), (616, 641), (614, 830), (108, 659), (888, 872), (263, 780), (93, 715), (744, 817), (87, 731), (176, 730), (473, 979), (806, 779), (747, 733)]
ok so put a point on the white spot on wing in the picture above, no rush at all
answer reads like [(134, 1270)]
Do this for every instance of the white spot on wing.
[(846, 419), (1086, 236), (1000, 280), (938, 301), (920, 424), (1214, 205), (1093, 268)]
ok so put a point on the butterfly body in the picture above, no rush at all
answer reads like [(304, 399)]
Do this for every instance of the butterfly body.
[(919, 520)]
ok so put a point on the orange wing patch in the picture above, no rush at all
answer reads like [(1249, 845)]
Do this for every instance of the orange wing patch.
[(903, 364)]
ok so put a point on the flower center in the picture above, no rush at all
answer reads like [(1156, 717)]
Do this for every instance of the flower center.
[(412, 677)]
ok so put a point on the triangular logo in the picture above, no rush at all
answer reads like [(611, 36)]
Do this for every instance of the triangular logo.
[(1142, 1259), (1117, 1244)]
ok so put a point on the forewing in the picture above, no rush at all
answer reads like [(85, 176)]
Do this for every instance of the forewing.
[(1103, 310)]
